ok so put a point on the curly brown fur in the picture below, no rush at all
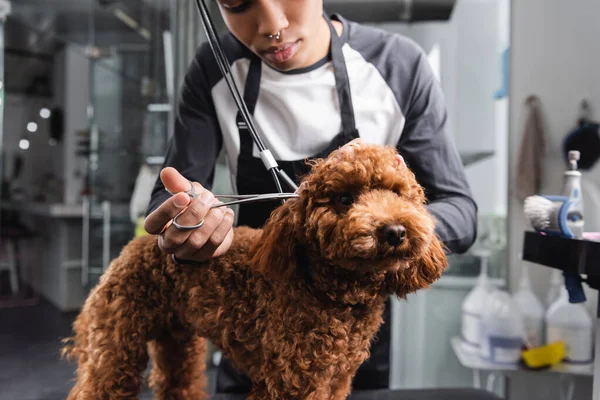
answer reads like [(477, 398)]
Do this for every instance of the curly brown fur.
[(294, 305)]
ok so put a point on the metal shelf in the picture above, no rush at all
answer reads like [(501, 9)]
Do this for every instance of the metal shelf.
[(470, 359), (569, 255)]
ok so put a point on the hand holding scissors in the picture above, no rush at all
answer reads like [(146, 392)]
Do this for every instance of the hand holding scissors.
[(192, 206)]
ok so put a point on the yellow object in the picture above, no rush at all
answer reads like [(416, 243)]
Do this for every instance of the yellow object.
[(139, 227), (545, 356)]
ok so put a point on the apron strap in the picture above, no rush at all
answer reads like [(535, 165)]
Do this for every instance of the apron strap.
[(251, 91), (342, 82)]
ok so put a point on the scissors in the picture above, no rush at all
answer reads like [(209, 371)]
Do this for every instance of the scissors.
[(237, 199)]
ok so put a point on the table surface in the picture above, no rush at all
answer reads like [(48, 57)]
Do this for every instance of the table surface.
[(413, 394)]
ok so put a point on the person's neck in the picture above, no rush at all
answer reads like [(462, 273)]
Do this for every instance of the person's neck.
[(325, 33)]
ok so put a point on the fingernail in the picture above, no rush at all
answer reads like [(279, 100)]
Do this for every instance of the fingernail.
[(181, 201), (207, 198)]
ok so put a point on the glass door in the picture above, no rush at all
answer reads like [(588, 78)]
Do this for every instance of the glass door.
[(128, 124), (4, 10)]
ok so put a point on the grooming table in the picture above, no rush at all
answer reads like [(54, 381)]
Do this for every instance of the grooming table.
[(415, 394), (572, 256)]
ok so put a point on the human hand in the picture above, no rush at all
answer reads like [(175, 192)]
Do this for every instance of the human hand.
[(210, 240)]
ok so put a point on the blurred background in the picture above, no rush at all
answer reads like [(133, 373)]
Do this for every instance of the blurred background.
[(87, 93)]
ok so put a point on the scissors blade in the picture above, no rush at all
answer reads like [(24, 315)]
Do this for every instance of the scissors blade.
[(238, 196), (254, 198)]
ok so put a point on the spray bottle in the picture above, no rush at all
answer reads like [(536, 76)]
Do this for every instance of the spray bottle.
[(572, 189)]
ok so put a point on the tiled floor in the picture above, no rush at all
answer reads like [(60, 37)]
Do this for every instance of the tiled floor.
[(30, 364)]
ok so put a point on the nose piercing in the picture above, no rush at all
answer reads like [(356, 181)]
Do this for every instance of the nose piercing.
[(277, 36)]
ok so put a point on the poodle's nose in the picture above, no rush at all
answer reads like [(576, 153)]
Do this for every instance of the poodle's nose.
[(392, 234)]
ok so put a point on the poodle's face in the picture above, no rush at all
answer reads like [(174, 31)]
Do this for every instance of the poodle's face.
[(360, 209), (365, 209)]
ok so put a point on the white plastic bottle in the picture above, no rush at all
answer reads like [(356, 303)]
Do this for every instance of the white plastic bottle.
[(472, 308), (501, 329), (556, 283), (572, 324), (531, 310)]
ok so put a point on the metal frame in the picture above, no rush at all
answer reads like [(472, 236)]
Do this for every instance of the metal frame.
[(577, 256)]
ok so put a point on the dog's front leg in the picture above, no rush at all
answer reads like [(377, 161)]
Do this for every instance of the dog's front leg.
[(179, 364), (111, 371), (110, 346)]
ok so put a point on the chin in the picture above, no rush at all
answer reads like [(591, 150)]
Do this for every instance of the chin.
[(283, 67), (286, 66), (298, 61)]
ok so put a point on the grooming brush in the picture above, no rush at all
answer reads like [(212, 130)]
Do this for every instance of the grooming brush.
[(549, 214)]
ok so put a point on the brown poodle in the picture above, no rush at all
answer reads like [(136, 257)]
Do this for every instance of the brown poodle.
[(294, 305)]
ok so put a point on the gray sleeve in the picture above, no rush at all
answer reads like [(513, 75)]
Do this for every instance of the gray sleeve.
[(425, 143), (196, 141), (430, 152)]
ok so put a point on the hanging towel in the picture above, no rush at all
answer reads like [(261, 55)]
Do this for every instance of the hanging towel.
[(530, 163)]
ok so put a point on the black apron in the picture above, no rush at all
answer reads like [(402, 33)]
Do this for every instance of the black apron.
[(252, 177)]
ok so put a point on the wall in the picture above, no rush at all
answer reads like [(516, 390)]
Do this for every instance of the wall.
[(470, 47), (554, 55)]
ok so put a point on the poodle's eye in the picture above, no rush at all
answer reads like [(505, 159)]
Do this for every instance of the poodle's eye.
[(343, 200)]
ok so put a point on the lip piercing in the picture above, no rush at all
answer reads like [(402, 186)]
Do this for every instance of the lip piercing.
[(277, 36)]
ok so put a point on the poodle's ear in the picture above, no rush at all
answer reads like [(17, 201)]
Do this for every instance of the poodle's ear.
[(416, 191), (410, 185), (421, 272), (274, 255)]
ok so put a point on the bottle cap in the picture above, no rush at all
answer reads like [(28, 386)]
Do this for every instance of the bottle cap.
[(574, 156)]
